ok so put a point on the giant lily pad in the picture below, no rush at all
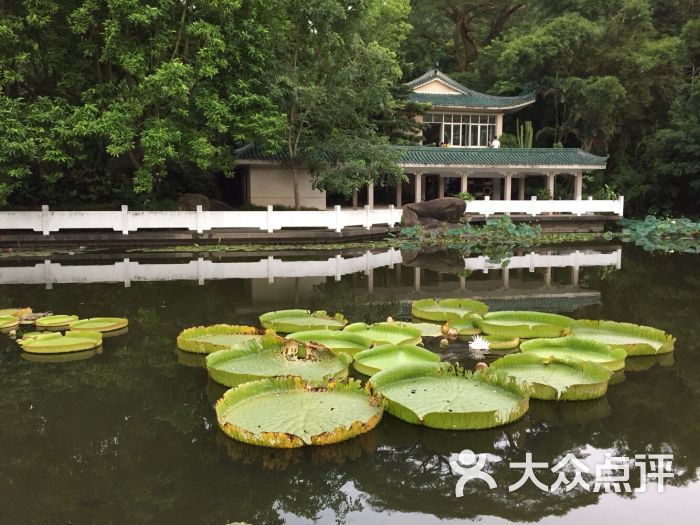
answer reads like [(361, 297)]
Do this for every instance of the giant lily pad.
[(524, 324), (334, 340), (427, 330), (578, 348), (634, 339), (502, 342), (54, 322), (374, 360), (275, 357), (57, 343), (386, 333), (207, 339), (447, 309), (555, 378), (465, 327), (15, 312), (289, 413), (441, 397), (288, 321), (7, 322), (100, 324)]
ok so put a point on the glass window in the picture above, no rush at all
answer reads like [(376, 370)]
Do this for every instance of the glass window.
[(448, 134), (483, 135), (474, 136), (492, 119)]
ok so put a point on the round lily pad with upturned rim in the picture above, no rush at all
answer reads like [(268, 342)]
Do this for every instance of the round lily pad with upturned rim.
[(447, 309), (100, 324), (15, 312), (55, 321), (440, 396), (374, 360), (335, 340), (386, 333), (427, 330), (524, 324), (502, 342), (296, 320), (207, 339), (632, 338), (275, 357), (552, 378), (578, 348), (290, 413), (8, 322), (57, 343)]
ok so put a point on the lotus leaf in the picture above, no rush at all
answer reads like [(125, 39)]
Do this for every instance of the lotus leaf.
[(579, 348), (438, 396), (553, 378), (288, 321), (55, 321), (7, 322), (334, 340), (207, 339), (100, 324), (386, 333), (57, 343), (634, 339), (275, 357), (502, 342), (447, 309), (525, 324), (289, 413), (374, 360)]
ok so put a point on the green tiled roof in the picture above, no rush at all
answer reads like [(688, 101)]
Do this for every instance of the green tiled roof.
[(433, 156), (466, 98), (477, 157)]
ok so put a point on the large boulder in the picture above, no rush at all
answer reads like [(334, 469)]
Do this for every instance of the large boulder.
[(190, 201), (447, 209)]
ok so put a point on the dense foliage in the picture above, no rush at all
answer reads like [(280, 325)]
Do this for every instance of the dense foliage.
[(105, 102)]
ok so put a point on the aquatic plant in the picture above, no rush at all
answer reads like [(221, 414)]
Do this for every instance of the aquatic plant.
[(290, 413), (386, 333), (427, 330), (56, 343), (276, 357), (578, 348), (336, 341), (634, 339), (295, 320), (100, 324), (447, 309), (501, 342), (523, 324), (440, 396), (662, 234), (369, 362), (8, 322), (207, 339), (54, 322), (553, 378)]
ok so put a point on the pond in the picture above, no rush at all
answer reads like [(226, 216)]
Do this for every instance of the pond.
[(129, 435)]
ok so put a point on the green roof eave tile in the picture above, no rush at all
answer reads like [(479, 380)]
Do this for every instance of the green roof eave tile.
[(473, 100)]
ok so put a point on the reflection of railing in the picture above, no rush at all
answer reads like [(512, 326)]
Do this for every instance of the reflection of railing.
[(270, 268), (199, 270), (126, 221), (534, 260), (538, 207)]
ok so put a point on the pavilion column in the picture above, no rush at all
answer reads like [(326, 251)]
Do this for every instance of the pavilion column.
[(465, 182), (578, 186), (508, 187), (521, 188), (419, 186), (399, 188), (550, 183), (441, 186), (370, 195)]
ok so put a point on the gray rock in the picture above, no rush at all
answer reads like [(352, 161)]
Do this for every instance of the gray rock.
[(190, 201), (426, 214)]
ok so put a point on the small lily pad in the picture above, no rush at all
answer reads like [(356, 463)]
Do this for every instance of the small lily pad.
[(55, 321), (100, 324), (207, 339), (289, 413), (57, 343), (288, 321), (374, 360), (386, 333), (552, 378), (336, 341)]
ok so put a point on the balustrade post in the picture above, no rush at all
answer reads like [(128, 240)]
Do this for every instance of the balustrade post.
[(45, 219), (269, 218), (338, 224), (125, 219), (533, 205)]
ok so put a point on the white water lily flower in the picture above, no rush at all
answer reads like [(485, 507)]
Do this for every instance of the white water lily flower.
[(479, 343)]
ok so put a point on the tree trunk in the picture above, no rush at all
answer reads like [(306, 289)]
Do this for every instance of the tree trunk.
[(295, 185)]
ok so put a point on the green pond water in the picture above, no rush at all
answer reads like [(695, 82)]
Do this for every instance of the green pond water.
[(129, 435)]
